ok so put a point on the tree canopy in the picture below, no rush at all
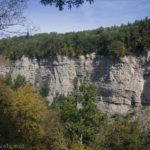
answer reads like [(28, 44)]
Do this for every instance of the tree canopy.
[(26, 120), (72, 122), (80, 115), (133, 38), (69, 3)]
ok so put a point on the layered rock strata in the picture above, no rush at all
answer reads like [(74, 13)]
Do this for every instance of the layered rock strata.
[(122, 84)]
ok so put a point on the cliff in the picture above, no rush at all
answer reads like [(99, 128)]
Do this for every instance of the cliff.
[(122, 84)]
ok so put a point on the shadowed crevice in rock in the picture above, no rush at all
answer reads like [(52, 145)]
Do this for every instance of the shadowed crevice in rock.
[(101, 68), (145, 96), (119, 83)]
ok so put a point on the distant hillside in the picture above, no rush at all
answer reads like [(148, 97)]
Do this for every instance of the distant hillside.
[(117, 41)]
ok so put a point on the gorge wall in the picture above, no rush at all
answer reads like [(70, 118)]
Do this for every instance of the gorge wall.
[(122, 84)]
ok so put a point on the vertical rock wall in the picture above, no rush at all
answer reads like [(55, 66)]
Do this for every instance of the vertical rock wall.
[(122, 84)]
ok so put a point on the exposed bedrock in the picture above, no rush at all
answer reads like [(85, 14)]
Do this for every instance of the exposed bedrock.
[(122, 84)]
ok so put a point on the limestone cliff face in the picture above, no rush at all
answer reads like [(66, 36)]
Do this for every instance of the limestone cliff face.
[(122, 84)]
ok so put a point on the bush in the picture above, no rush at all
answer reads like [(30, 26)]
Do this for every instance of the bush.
[(44, 91), (19, 81)]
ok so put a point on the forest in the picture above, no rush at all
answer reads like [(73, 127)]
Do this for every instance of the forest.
[(72, 122), (116, 41), (28, 121)]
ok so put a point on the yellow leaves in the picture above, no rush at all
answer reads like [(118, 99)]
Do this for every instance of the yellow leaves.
[(79, 146), (30, 112), (27, 120), (29, 104)]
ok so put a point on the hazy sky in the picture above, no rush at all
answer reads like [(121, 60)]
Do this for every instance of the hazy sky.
[(100, 13)]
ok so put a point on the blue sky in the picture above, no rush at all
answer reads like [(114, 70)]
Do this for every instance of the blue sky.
[(100, 13)]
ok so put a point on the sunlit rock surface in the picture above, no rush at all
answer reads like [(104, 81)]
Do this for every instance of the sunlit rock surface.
[(122, 84)]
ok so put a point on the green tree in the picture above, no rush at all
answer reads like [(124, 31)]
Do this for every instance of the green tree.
[(8, 80), (54, 138), (80, 115), (6, 119), (117, 48), (19, 81), (44, 91), (123, 134), (145, 128), (117, 41)]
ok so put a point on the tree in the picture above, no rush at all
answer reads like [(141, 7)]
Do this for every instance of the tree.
[(116, 41), (44, 91), (22, 116), (16, 83), (145, 128), (6, 98), (25, 119), (122, 135), (29, 112), (11, 13), (19, 81), (38, 127), (54, 138), (117, 48), (61, 3), (8, 80), (80, 115)]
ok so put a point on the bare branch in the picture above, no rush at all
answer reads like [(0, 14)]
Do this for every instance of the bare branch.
[(11, 13)]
